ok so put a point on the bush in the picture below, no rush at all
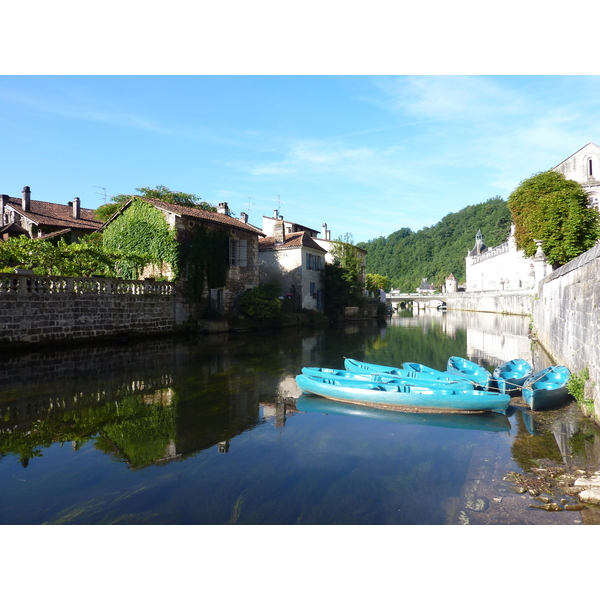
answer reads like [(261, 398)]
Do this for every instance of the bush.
[(262, 302)]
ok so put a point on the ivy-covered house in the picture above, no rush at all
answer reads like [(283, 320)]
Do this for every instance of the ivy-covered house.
[(214, 253)]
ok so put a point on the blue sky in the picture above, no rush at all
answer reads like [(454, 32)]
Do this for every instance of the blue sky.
[(367, 155)]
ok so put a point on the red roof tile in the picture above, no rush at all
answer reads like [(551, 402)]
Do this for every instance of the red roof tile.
[(298, 239)]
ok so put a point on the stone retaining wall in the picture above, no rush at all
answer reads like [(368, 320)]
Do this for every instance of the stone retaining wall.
[(42, 309), (509, 303), (566, 316)]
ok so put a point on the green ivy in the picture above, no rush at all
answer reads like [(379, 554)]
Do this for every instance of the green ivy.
[(205, 257), (576, 387), (142, 229)]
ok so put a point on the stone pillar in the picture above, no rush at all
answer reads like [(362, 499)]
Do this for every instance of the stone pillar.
[(539, 262)]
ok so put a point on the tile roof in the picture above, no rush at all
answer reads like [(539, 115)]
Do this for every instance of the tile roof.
[(55, 215), (292, 240), (204, 215)]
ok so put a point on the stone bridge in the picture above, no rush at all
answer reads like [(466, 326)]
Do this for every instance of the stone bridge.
[(420, 300)]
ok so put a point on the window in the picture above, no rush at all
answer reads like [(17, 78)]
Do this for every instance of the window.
[(238, 253), (314, 262), (313, 288), (590, 169)]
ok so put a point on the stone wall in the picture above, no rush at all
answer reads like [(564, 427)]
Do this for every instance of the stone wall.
[(36, 309), (509, 303), (566, 315)]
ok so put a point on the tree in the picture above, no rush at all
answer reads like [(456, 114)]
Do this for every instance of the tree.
[(160, 192), (551, 208), (375, 282)]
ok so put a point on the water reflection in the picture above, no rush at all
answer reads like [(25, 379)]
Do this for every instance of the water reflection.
[(214, 430)]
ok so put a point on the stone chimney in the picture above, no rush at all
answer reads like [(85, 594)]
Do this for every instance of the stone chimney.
[(76, 208), (26, 202), (279, 232), (3, 201), (243, 217), (223, 209)]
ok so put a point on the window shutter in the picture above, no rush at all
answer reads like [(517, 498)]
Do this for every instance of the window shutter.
[(243, 253)]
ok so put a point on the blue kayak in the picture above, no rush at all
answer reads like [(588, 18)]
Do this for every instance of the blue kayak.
[(355, 366), (511, 375), (486, 421), (404, 397), (547, 388), (381, 377), (475, 373)]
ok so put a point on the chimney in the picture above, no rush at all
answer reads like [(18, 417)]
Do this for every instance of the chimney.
[(243, 217), (76, 208), (324, 231), (275, 214), (279, 232), (26, 202), (3, 201), (223, 209)]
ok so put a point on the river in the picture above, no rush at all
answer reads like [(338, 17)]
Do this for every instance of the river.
[(210, 431)]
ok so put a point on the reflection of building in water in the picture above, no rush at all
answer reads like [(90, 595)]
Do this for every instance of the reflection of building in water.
[(493, 337)]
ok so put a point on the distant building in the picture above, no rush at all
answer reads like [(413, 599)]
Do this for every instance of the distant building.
[(37, 219), (426, 287)]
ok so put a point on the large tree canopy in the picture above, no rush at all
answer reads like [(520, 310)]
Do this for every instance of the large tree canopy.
[(160, 192), (551, 208)]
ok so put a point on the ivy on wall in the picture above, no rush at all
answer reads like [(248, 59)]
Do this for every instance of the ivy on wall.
[(205, 256), (142, 229)]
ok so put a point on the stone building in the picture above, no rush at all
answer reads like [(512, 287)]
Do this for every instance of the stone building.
[(287, 254), (243, 246), (503, 268), (295, 260), (37, 219), (584, 168)]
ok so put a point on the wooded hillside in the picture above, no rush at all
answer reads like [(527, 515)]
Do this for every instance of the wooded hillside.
[(434, 252)]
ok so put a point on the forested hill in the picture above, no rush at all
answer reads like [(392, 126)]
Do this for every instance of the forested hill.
[(434, 252)]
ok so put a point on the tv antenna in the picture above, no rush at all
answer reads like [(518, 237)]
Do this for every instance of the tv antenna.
[(101, 188), (250, 203), (279, 203)]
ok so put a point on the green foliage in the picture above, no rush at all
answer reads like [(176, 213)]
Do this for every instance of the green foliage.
[(142, 229), (434, 252), (374, 283), (348, 258), (551, 208), (84, 259), (262, 302), (160, 192), (576, 387), (205, 256), (338, 291)]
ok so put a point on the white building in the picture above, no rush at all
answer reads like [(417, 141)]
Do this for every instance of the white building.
[(584, 168), (506, 268)]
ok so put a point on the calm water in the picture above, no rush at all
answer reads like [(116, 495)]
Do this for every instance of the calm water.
[(207, 431)]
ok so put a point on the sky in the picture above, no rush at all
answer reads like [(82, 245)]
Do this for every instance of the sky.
[(367, 155)]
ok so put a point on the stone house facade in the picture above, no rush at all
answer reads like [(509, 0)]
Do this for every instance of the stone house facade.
[(296, 261), (287, 246), (37, 219), (243, 273)]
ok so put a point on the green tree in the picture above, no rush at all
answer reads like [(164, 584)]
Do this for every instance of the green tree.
[(551, 208), (160, 192), (375, 282)]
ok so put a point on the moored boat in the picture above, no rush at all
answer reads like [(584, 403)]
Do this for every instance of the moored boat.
[(356, 366), (405, 397), (547, 388), (511, 375), (407, 378), (479, 375), (487, 421)]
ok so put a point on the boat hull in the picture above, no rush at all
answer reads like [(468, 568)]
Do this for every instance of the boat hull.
[(479, 375), (547, 388), (405, 398), (511, 375), (486, 421)]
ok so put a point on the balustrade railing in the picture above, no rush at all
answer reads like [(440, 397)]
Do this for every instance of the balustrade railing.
[(11, 283)]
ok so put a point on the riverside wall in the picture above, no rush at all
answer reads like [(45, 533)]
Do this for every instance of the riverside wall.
[(566, 318), (509, 303), (37, 310)]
